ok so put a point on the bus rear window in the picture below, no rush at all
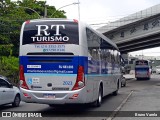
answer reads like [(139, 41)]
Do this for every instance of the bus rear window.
[(51, 32), (141, 62)]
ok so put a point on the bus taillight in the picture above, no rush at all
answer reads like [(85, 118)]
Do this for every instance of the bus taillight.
[(75, 20), (23, 83), (28, 21), (80, 81)]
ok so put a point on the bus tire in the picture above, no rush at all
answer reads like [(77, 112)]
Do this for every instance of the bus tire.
[(116, 92), (98, 102), (124, 85)]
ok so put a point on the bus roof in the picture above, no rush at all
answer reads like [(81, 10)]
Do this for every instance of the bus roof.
[(52, 19)]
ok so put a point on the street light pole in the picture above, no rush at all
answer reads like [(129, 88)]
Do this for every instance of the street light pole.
[(45, 8), (79, 10), (30, 9), (45, 11), (65, 6)]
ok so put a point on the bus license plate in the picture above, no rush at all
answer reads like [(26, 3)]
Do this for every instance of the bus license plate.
[(49, 95)]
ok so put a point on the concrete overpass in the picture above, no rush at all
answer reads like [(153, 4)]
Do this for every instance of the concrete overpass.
[(137, 31)]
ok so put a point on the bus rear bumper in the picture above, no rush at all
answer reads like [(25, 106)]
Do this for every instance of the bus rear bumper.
[(142, 76), (54, 97)]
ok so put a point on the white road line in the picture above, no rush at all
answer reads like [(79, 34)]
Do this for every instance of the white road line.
[(119, 107)]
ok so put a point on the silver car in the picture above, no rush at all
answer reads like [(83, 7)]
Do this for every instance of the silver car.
[(123, 82), (123, 79), (158, 69), (9, 94)]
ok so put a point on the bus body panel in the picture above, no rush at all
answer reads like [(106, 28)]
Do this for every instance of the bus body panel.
[(44, 48)]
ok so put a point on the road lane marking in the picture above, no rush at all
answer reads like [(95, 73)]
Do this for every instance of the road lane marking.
[(111, 117)]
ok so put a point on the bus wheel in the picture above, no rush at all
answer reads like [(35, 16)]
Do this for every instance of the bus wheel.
[(98, 102), (116, 92)]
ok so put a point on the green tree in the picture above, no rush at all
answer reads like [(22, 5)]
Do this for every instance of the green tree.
[(12, 17), (9, 68)]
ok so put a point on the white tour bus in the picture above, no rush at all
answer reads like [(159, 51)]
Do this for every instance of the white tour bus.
[(65, 62), (142, 69)]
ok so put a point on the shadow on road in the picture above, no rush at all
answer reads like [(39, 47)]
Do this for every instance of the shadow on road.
[(74, 110), (5, 107)]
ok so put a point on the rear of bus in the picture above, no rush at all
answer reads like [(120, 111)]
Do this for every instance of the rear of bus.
[(142, 69), (52, 68)]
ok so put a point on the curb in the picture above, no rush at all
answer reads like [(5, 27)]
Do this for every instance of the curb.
[(115, 112), (129, 79)]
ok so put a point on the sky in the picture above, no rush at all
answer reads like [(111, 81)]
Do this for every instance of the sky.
[(104, 11), (97, 11)]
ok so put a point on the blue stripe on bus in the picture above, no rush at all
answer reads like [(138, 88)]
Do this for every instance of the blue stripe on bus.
[(47, 74), (91, 67), (72, 64)]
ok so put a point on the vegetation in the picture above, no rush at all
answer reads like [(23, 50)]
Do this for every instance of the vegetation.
[(9, 68), (12, 15)]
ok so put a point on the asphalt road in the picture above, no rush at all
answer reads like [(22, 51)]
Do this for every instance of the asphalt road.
[(144, 103), (76, 112)]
